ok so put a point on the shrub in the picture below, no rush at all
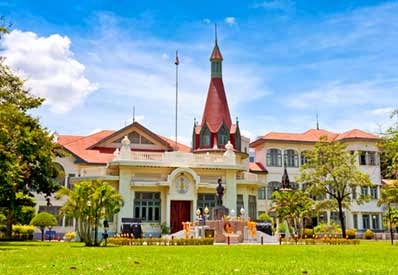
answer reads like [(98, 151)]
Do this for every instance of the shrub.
[(324, 228), (264, 217), (308, 233), (351, 233), (24, 232), (69, 236), (369, 234), (43, 220)]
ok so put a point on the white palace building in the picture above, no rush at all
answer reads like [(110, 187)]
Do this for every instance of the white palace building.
[(164, 183)]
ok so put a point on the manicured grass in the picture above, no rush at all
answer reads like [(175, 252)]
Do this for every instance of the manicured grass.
[(73, 258)]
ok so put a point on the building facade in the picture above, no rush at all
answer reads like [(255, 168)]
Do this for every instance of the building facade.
[(165, 183)]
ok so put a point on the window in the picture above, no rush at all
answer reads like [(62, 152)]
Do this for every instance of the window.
[(304, 158), (364, 191), (223, 136), (375, 221), (274, 157), (365, 221), (69, 184), (206, 200), (205, 137), (134, 137), (294, 185), (291, 158), (334, 217), (272, 187), (147, 206), (354, 193), (373, 192), (355, 220), (252, 207), (368, 158), (239, 204), (261, 193)]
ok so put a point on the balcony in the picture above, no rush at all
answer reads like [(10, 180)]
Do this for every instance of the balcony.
[(228, 160)]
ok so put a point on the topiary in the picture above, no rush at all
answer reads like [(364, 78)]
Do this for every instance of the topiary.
[(43, 220), (264, 217), (351, 233), (369, 234)]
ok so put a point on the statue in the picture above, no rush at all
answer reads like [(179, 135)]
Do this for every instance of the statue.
[(220, 192)]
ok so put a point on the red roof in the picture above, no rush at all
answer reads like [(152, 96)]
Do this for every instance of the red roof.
[(257, 167), (313, 135), (80, 146), (216, 53), (216, 109)]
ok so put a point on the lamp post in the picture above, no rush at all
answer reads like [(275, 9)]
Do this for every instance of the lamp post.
[(205, 215), (242, 213)]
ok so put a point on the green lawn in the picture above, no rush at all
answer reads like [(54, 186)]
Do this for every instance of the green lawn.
[(73, 258)]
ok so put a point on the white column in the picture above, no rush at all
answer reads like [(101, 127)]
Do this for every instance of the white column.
[(230, 196), (127, 193)]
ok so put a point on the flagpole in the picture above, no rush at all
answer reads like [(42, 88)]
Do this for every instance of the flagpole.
[(177, 62)]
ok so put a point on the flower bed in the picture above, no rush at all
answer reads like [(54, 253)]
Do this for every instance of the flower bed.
[(159, 241)]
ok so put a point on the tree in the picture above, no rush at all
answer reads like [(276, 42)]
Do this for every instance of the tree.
[(389, 151), (89, 203), (26, 149), (292, 206), (389, 196), (332, 172), (43, 220)]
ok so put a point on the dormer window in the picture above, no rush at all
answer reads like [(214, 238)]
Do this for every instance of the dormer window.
[(223, 136), (205, 137)]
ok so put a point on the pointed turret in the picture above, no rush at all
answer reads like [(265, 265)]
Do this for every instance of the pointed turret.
[(216, 127), (285, 179)]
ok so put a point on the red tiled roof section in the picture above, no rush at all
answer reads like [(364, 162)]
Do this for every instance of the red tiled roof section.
[(180, 147), (65, 139), (313, 135), (356, 133), (216, 53), (79, 147), (216, 109), (257, 167)]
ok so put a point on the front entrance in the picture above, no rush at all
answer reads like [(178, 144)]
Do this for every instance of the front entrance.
[(180, 211)]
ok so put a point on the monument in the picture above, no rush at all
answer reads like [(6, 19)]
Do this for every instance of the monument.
[(219, 211)]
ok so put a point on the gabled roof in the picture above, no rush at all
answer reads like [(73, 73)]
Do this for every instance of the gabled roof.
[(313, 135), (131, 126), (88, 148), (216, 110)]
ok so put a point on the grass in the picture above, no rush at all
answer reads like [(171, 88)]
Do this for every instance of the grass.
[(73, 258)]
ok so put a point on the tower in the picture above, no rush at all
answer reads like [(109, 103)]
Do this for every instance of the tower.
[(216, 128)]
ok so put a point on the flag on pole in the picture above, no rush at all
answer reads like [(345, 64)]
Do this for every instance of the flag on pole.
[(177, 62)]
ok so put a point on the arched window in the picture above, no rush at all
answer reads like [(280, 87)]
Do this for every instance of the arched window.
[(205, 137), (274, 157), (223, 136), (304, 157), (272, 187), (59, 174), (291, 158)]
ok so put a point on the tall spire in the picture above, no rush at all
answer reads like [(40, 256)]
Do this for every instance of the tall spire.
[(285, 179), (216, 58), (317, 122)]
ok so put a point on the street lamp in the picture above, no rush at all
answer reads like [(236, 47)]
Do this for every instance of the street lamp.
[(205, 215), (242, 213)]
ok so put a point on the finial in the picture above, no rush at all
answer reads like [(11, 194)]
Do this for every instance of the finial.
[(133, 113), (237, 120), (177, 61), (317, 122), (215, 32), (194, 121)]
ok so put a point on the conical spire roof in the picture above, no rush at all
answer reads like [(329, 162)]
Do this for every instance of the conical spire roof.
[(216, 53)]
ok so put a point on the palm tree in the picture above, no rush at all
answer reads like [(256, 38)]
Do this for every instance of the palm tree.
[(90, 202), (388, 196)]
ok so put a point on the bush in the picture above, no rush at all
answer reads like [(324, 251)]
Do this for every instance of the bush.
[(324, 228), (369, 234), (159, 241), (69, 236), (351, 233), (264, 217), (308, 233), (24, 232)]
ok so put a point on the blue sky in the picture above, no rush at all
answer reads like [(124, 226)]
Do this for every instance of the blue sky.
[(284, 61)]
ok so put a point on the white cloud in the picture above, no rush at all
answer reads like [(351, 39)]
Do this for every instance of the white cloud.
[(206, 21), (230, 20), (50, 68), (382, 111)]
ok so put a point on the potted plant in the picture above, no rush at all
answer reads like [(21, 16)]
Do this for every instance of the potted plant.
[(282, 230)]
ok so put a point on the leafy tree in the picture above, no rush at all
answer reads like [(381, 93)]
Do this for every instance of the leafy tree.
[(26, 149), (389, 196), (292, 206), (90, 202), (389, 149), (332, 172), (43, 220)]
